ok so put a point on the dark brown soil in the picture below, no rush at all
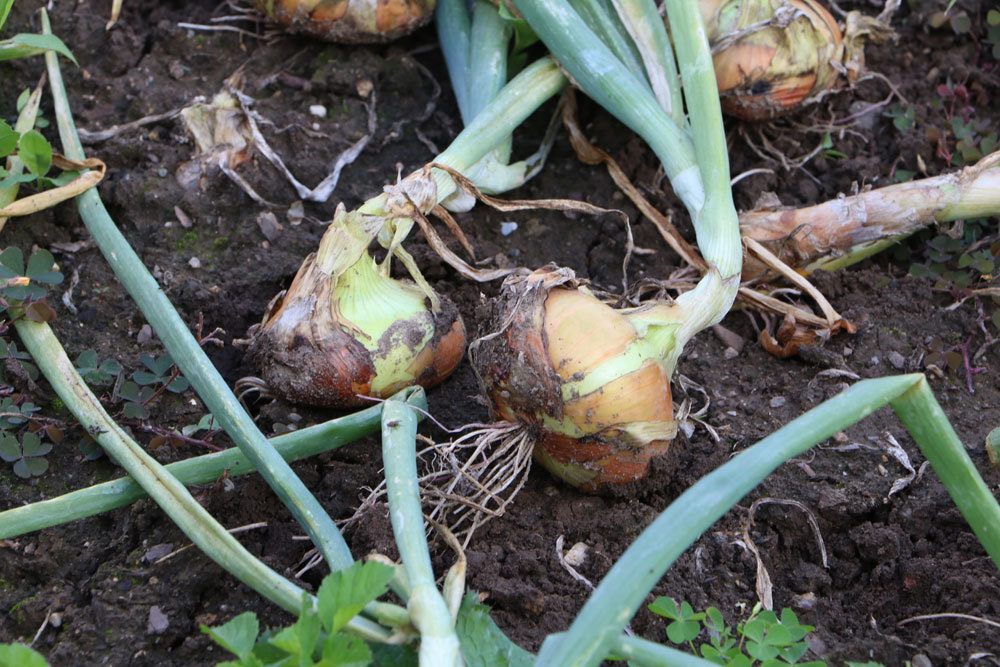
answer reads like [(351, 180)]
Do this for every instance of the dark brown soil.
[(889, 558)]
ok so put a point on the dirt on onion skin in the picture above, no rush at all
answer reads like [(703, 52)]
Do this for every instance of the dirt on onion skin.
[(889, 558)]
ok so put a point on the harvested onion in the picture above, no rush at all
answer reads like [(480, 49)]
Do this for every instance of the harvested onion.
[(773, 56), (590, 383), (343, 330), (350, 21)]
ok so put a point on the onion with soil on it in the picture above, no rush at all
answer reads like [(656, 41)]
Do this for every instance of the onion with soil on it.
[(589, 383), (346, 330)]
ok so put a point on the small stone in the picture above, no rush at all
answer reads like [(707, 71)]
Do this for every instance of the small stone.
[(364, 88), (158, 621), (577, 555), (269, 225), (805, 602), (508, 228), (730, 353), (874, 361), (145, 334), (848, 351), (317, 110), (778, 401), (921, 660), (162, 172), (897, 360), (296, 212), (176, 69), (194, 263), (183, 218), (156, 552)]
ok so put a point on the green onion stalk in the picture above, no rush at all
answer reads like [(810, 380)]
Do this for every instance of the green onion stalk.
[(429, 612), (204, 469), (186, 351), (476, 47), (590, 382), (346, 329)]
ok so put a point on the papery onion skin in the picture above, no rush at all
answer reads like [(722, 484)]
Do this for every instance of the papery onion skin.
[(350, 21), (552, 337), (308, 355)]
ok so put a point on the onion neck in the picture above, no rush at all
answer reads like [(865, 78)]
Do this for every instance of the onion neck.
[(372, 303)]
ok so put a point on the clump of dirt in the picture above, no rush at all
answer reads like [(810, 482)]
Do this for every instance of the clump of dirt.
[(889, 557)]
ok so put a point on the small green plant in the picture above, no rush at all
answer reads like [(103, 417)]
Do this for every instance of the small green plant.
[(18, 359), (161, 373), (96, 372), (316, 638), (828, 149), (19, 655), (28, 455), (961, 258), (27, 45), (134, 399), (206, 424), (14, 414), (903, 117), (993, 32), (763, 639), (23, 287)]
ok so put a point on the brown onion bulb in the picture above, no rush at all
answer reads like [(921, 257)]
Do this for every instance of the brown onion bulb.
[(343, 330), (350, 21), (589, 382), (773, 56)]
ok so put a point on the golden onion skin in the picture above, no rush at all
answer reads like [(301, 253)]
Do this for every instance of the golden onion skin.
[(350, 21), (307, 356), (546, 328), (769, 71)]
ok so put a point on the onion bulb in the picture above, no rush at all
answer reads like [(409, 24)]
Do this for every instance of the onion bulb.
[(590, 383), (350, 21), (345, 330), (773, 56)]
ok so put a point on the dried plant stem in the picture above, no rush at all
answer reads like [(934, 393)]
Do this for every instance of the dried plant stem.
[(843, 231)]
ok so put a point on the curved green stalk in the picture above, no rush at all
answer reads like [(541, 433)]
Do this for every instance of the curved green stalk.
[(204, 469), (717, 226), (599, 73), (521, 97), (187, 353), (644, 653), (172, 497), (439, 645), (594, 632)]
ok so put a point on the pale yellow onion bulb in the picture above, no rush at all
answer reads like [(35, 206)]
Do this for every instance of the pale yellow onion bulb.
[(591, 383)]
